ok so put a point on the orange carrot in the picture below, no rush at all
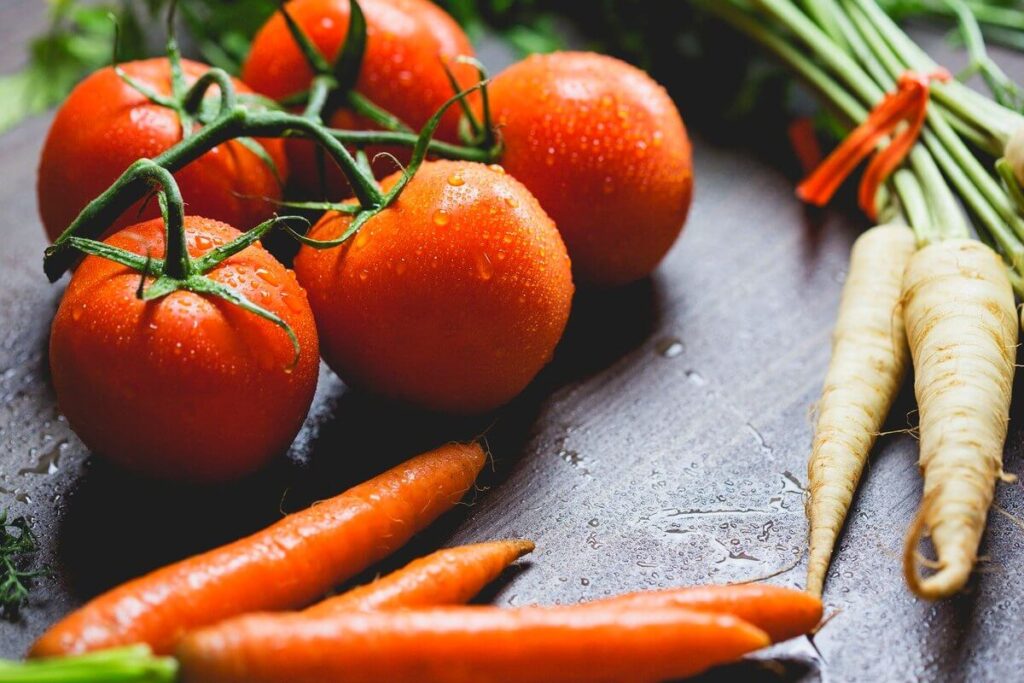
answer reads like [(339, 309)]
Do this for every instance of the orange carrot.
[(467, 644), (783, 613), (286, 566), (451, 576)]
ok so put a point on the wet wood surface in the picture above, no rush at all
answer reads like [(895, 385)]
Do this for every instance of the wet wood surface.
[(665, 445)]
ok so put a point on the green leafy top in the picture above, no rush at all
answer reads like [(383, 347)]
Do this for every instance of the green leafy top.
[(17, 545)]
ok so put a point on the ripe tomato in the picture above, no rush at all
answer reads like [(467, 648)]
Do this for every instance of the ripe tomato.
[(604, 150), (453, 298), (407, 42), (105, 125), (187, 386)]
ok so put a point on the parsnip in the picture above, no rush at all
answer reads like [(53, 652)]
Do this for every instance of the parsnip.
[(869, 356), (962, 328)]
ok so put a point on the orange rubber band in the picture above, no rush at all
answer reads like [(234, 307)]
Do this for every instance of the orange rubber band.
[(908, 105)]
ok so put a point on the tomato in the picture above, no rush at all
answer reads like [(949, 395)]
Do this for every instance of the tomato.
[(451, 299), (188, 386), (407, 42), (604, 150), (105, 125)]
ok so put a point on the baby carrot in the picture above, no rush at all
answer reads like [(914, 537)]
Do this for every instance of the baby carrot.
[(286, 566), (782, 613), (451, 576), (467, 644)]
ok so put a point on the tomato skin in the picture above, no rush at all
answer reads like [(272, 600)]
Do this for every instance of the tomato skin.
[(105, 125), (604, 150), (401, 71), (452, 299), (186, 387)]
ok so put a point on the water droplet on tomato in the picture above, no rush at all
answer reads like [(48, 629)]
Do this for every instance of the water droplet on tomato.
[(76, 314), (456, 179), (657, 138), (484, 268), (268, 276), (512, 202), (203, 242), (292, 302), (497, 168), (364, 274), (360, 241), (441, 217)]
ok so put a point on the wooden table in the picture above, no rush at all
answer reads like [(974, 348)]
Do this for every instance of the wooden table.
[(666, 444)]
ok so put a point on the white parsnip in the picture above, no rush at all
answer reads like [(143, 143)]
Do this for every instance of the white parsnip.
[(962, 328), (869, 358)]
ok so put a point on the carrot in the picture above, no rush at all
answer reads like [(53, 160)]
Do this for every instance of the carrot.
[(962, 327), (869, 357), (286, 566), (451, 576), (782, 613), (467, 644)]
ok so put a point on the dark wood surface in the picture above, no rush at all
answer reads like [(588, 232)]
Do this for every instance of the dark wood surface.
[(665, 445)]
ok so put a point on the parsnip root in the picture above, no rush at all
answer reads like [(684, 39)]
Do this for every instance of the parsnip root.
[(869, 357), (962, 328)]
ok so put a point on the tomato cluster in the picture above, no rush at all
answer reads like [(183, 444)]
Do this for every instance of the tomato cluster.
[(449, 293)]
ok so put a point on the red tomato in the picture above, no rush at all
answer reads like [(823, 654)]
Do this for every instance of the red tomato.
[(188, 386), (105, 125), (452, 299), (407, 42), (604, 150)]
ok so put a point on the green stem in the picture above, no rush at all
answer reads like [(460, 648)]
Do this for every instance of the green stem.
[(400, 139), (368, 110), (319, 90), (914, 204), (134, 664), (193, 99)]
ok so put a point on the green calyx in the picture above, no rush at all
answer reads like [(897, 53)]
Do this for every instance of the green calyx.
[(419, 155), (177, 270)]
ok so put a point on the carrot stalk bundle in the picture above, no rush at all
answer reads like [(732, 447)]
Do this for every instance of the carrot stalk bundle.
[(869, 357), (467, 644), (782, 613), (286, 566), (451, 576), (962, 327)]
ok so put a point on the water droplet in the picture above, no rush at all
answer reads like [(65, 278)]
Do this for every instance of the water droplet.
[(657, 138), (584, 581), (484, 268), (364, 274), (441, 217), (497, 168), (292, 302), (268, 276), (695, 377), (360, 241), (594, 522), (512, 202), (177, 348), (456, 179), (670, 347), (203, 242), (76, 314)]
